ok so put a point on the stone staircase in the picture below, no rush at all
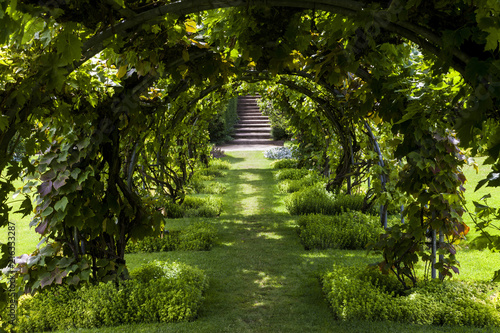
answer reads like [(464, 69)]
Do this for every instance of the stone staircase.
[(253, 128)]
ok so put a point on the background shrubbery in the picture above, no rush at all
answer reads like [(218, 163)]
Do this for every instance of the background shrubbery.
[(193, 207), (157, 292), (292, 174), (202, 180), (199, 236), (359, 294), (350, 230), (287, 163), (316, 200), (222, 125)]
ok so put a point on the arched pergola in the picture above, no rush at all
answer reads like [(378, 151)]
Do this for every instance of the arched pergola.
[(451, 35)]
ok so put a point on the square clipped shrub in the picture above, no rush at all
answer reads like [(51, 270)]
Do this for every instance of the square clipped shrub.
[(199, 236), (202, 184), (217, 163), (158, 292), (310, 200), (294, 174), (294, 185), (284, 164), (201, 206), (317, 200), (356, 293), (350, 230)]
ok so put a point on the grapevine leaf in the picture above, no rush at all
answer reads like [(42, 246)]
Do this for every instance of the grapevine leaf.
[(61, 204)]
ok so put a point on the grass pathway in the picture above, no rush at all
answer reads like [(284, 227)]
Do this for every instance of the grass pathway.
[(261, 278)]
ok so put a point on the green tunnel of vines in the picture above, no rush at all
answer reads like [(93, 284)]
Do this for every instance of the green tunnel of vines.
[(114, 98)]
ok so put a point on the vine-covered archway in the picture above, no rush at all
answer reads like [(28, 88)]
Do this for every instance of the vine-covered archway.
[(102, 88)]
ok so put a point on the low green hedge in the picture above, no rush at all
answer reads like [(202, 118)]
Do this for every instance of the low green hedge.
[(201, 206), (295, 185), (296, 174), (349, 230), (287, 163), (199, 236), (317, 200), (158, 292), (194, 207), (358, 294)]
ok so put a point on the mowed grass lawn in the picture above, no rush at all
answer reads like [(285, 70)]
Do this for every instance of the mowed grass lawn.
[(261, 278)]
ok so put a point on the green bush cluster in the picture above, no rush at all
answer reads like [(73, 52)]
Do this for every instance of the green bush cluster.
[(199, 184), (349, 230), (193, 207), (294, 174), (199, 236), (316, 200), (280, 133), (294, 185), (222, 125), (157, 292), (201, 206), (286, 163), (218, 164), (358, 294)]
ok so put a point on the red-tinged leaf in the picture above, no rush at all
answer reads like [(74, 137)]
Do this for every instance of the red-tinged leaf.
[(60, 275), (455, 269), (47, 158), (42, 227), (47, 281), (49, 175), (60, 182), (45, 188)]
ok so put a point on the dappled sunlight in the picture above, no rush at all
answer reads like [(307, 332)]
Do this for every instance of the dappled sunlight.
[(267, 281), (227, 243), (269, 235)]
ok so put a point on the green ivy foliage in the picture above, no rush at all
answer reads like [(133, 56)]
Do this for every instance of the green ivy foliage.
[(350, 230), (158, 292), (355, 293)]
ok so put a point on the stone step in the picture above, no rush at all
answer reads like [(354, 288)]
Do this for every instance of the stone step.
[(248, 107), (260, 129), (253, 123), (250, 114), (252, 135), (252, 117), (253, 142)]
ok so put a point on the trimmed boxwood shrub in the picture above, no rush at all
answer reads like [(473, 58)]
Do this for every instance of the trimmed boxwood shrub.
[(294, 185), (158, 292), (358, 294), (317, 200), (201, 206), (284, 164), (193, 207), (199, 236), (350, 230), (295, 174)]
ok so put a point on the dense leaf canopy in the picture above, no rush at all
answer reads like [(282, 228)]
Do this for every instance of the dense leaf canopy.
[(114, 96)]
